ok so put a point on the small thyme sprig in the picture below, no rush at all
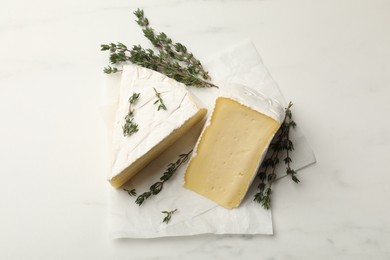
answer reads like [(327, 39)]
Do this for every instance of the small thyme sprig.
[(130, 127), (288, 144), (131, 192), (158, 186), (159, 100), (267, 174), (168, 49), (168, 216), (110, 70), (172, 59)]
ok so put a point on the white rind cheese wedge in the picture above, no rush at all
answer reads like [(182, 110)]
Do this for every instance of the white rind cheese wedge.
[(232, 145), (157, 130)]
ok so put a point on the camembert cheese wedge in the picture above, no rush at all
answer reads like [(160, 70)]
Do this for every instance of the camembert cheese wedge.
[(232, 145), (158, 128)]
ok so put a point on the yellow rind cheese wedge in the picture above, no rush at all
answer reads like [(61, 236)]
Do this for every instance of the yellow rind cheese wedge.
[(229, 152)]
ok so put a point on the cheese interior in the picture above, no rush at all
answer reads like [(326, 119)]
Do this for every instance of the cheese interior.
[(229, 151)]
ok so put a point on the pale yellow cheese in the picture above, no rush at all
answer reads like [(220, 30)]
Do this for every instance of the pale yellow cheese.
[(229, 151)]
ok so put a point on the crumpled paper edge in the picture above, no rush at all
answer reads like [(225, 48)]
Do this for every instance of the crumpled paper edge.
[(201, 224)]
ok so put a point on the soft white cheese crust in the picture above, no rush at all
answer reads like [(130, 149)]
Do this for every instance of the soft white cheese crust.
[(153, 125), (253, 99)]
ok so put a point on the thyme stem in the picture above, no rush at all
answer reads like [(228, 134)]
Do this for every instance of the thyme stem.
[(168, 216), (131, 192), (130, 127), (157, 187), (159, 101)]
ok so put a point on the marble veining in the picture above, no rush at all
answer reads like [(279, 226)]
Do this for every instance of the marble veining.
[(332, 58)]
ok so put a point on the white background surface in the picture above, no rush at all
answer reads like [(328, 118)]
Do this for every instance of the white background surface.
[(332, 58)]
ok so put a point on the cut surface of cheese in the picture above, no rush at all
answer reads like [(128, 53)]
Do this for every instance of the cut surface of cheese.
[(157, 129), (229, 151)]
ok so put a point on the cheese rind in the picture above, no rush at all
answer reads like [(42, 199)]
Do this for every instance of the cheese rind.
[(230, 150), (157, 129)]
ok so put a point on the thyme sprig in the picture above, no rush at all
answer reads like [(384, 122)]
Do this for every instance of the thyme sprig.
[(172, 59), (158, 186), (168, 216), (130, 127), (267, 173), (159, 100), (131, 192), (110, 70), (169, 50)]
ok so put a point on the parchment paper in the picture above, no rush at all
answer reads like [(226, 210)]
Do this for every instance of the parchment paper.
[(241, 64)]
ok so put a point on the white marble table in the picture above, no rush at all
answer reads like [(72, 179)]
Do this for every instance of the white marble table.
[(332, 58)]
